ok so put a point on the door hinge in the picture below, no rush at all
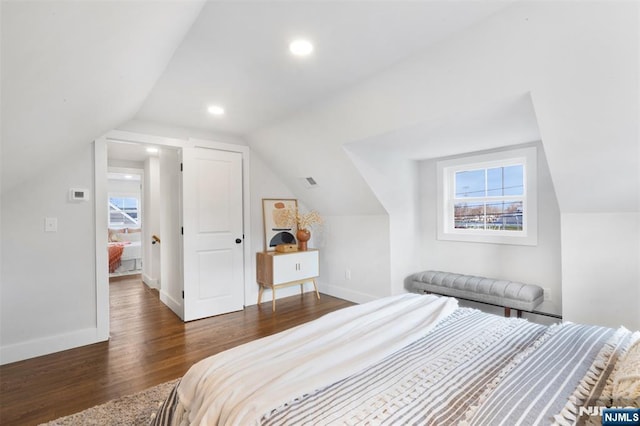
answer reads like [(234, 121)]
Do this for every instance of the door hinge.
[(183, 294), (180, 166), (182, 230)]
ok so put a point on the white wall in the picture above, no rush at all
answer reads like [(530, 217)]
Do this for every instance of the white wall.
[(394, 180), (540, 264), (601, 268), (359, 243), (579, 61), (52, 306), (265, 184), (125, 164), (125, 186), (48, 278), (355, 259)]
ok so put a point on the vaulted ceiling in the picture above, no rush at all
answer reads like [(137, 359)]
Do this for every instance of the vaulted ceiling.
[(236, 54), (71, 71)]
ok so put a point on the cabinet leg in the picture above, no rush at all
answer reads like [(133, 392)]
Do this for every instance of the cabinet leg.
[(260, 294), (316, 288), (273, 301), (301, 289)]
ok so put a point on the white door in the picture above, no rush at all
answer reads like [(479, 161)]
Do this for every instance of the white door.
[(212, 232)]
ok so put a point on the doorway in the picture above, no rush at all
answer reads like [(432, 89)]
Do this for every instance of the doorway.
[(171, 265), (133, 211), (126, 225)]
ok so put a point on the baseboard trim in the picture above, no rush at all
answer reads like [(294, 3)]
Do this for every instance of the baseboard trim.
[(346, 293), (172, 303), (150, 282), (48, 345)]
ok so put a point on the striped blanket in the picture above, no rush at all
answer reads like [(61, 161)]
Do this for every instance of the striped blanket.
[(472, 368)]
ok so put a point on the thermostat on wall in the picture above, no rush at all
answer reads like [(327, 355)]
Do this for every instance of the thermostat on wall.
[(76, 194)]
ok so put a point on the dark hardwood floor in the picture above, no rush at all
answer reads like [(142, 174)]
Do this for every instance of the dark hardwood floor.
[(149, 345)]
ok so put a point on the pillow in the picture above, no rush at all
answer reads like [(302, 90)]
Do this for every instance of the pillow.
[(626, 383), (113, 234)]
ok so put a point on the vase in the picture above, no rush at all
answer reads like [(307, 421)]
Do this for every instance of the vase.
[(303, 236)]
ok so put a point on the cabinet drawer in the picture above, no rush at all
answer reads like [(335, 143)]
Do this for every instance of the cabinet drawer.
[(295, 266)]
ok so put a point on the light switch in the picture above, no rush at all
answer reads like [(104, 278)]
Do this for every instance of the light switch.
[(50, 224)]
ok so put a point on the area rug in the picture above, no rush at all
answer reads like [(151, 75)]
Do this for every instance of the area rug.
[(135, 409)]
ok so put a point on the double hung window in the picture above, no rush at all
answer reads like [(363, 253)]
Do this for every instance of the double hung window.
[(489, 198)]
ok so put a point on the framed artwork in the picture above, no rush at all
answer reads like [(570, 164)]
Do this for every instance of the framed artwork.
[(279, 223)]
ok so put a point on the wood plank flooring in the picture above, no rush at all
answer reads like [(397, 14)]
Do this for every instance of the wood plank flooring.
[(149, 345)]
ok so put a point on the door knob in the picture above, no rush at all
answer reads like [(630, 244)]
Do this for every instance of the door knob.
[(238, 240)]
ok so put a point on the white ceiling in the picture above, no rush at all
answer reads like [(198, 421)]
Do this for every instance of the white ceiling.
[(499, 124), (72, 71), (236, 54), (133, 152)]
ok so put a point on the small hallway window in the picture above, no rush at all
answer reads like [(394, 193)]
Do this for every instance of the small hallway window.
[(124, 212)]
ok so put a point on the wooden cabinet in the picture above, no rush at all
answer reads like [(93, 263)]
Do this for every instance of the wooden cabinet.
[(277, 270)]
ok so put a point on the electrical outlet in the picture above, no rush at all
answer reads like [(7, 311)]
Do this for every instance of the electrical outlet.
[(547, 293), (347, 274)]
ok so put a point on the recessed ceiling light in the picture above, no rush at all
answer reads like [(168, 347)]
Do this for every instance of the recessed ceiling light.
[(152, 150), (215, 110), (128, 177), (301, 47)]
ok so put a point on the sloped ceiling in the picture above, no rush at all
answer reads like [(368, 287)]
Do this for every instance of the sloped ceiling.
[(499, 124), (236, 54), (73, 70), (564, 54)]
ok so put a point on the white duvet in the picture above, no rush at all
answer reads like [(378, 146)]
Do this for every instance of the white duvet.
[(132, 251), (238, 386)]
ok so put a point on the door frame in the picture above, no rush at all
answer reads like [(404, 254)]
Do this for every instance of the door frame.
[(100, 196)]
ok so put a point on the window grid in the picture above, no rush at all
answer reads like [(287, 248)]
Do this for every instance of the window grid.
[(511, 223)]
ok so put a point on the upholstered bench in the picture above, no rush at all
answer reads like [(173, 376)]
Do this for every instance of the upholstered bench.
[(507, 294)]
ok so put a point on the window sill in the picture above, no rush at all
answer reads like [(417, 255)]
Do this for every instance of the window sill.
[(521, 240)]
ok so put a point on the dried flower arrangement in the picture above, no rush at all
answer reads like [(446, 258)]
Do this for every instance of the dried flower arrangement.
[(304, 220)]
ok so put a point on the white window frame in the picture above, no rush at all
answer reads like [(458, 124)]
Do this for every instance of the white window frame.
[(137, 196), (447, 169)]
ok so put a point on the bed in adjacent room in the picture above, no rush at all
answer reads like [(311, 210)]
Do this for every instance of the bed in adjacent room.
[(413, 359), (125, 251)]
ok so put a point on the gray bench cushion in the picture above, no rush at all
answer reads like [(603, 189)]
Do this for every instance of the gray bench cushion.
[(486, 290)]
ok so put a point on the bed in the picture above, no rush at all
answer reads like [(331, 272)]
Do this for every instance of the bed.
[(413, 359), (125, 251)]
